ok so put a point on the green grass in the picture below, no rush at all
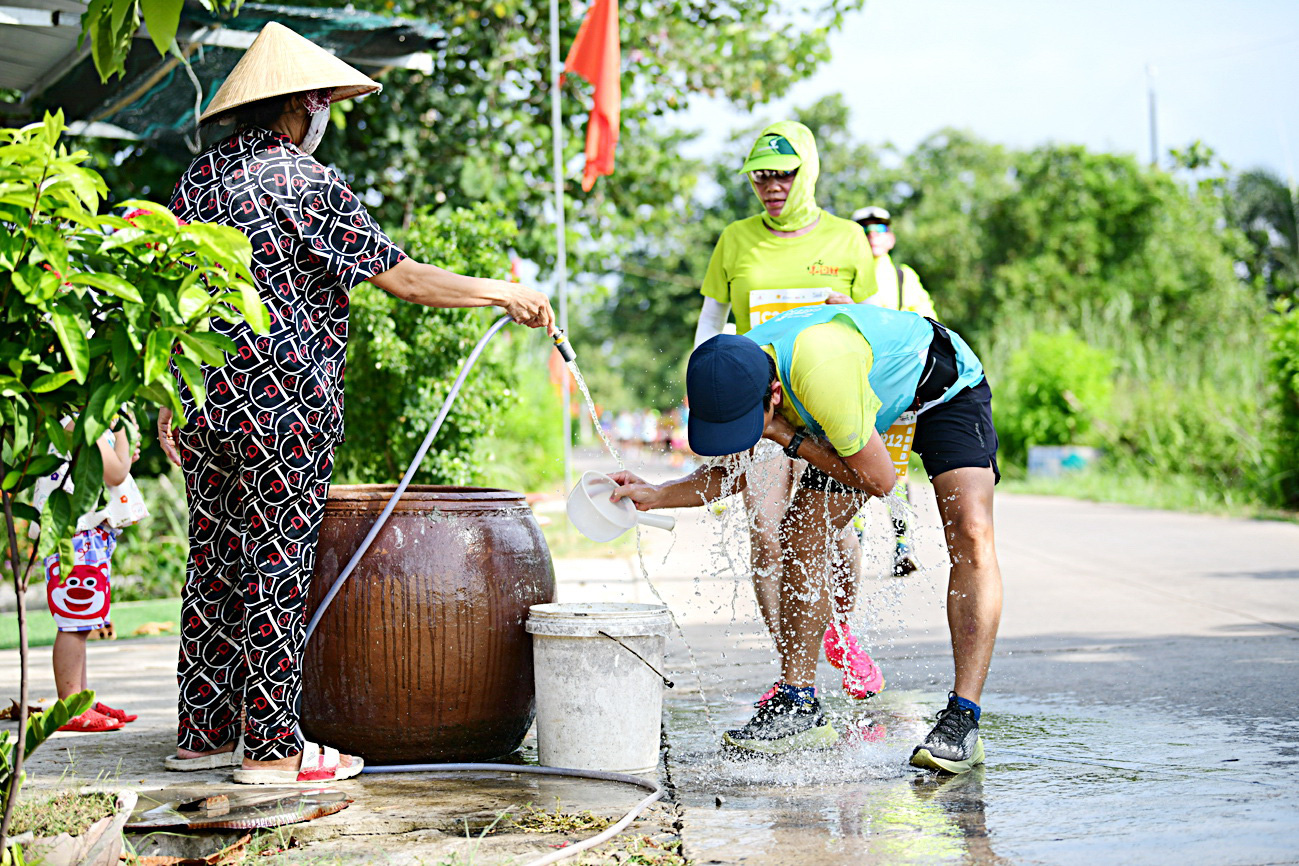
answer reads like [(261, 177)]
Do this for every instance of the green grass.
[(565, 542), (68, 812), (127, 617), (1170, 493)]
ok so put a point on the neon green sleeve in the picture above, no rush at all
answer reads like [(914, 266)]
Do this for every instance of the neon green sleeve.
[(863, 282), (717, 283), (830, 373), (914, 296)]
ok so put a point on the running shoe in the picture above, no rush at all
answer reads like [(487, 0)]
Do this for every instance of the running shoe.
[(904, 559), (954, 745), (768, 694), (783, 724), (862, 678)]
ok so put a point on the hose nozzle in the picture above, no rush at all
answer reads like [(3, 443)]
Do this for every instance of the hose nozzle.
[(565, 348)]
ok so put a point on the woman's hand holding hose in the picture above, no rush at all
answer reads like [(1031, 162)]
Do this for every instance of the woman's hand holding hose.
[(435, 287), (529, 307)]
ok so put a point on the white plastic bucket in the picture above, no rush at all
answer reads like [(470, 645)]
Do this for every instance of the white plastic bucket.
[(599, 707)]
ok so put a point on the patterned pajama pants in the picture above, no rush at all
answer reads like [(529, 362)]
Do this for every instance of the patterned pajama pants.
[(255, 504)]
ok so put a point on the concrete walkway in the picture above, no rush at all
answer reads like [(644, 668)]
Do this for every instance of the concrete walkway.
[(1140, 710)]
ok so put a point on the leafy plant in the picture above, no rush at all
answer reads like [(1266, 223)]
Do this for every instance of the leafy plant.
[(403, 358), (525, 450), (1058, 386), (111, 25), (96, 311), (41, 727), (1283, 370)]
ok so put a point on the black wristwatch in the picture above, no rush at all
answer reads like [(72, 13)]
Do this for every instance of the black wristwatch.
[(796, 440)]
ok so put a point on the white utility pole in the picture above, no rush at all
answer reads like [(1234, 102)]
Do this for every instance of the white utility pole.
[(561, 249), (1154, 128)]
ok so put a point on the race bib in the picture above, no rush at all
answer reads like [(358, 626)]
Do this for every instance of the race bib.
[(766, 304), (898, 439)]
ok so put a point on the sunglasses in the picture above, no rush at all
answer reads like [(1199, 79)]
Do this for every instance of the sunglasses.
[(875, 228), (763, 175)]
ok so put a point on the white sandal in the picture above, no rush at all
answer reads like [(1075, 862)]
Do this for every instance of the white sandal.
[(315, 765), (215, 761)]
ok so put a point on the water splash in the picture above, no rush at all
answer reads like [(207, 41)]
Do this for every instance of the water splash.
[(595, 416), (694, 661)]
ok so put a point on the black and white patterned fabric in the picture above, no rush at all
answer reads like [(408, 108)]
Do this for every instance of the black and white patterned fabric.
[(255, 504), (259, 455), (313, 241)]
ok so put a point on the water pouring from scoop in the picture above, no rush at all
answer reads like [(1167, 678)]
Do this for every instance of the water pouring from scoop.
[(599, 518)]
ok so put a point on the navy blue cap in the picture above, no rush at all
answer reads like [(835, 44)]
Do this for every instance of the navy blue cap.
[(726, 380)]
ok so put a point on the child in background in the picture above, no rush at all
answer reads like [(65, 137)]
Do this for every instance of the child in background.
[(79, 600)]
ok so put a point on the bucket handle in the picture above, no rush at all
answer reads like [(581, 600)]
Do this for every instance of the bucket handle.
[(667, 682)]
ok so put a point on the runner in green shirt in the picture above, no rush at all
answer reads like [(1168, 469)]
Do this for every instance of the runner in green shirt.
[(792, 254), (899, 289)]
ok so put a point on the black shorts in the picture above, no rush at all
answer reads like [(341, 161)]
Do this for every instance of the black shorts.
[(959, 433), (951, 435)]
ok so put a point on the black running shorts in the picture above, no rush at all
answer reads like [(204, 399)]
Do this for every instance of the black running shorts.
[(951, 435)]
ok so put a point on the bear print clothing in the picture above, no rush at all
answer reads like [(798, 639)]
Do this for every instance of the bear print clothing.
[(255, 504), (80, 599), (313, 241)]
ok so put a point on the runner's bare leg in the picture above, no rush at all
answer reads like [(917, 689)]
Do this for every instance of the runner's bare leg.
[(974, 585)]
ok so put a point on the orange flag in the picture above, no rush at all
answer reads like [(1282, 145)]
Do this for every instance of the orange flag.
[(596, 56)]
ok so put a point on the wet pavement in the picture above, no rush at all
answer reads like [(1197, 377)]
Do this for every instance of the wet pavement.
[(1140, 709)]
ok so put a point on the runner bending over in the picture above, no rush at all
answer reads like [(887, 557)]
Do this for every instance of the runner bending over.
[(822, 383)]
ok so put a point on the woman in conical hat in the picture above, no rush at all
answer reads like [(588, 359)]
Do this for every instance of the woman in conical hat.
[(258, 455), (790, 254)]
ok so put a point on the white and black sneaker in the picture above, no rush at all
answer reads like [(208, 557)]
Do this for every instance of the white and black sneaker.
[(954, 745), (783, 723)]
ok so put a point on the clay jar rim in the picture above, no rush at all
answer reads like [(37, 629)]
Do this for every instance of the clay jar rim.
[(373, 497)]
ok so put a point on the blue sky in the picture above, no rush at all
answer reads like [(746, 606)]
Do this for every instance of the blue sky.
[(1024, 72)]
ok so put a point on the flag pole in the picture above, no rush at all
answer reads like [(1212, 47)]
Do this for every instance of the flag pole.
[(561, 250)]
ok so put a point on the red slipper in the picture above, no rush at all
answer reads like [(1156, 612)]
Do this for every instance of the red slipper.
[(121, 715), (91, 722)]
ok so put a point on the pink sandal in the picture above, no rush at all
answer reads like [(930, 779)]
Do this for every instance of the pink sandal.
[(121, 715), (92, 722), (316, 765)]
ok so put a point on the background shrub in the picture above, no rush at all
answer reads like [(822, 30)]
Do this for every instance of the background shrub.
[(402, 359), (1057, 387), (1283, 370)]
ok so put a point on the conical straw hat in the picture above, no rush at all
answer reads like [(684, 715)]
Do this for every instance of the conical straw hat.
[(280, 62)]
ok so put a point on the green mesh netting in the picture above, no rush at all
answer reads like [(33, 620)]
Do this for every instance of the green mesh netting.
[(155, 99)]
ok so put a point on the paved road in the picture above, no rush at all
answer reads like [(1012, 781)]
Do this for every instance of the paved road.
[(1141, 709)]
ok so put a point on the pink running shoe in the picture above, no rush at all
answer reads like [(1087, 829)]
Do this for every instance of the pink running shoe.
[(768, 694), (862, 678)]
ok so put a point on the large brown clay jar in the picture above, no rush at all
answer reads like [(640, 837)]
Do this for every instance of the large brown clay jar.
[(422, 656)]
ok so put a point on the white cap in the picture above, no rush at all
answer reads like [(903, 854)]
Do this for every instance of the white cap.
[(872, 213)]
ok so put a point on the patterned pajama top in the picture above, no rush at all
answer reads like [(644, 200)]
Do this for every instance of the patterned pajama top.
[(313, 241)]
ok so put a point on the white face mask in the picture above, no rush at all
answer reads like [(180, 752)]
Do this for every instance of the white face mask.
[(315, 131)]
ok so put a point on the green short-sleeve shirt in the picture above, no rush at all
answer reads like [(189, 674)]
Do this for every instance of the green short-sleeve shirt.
[(830, 374), (760, 274)]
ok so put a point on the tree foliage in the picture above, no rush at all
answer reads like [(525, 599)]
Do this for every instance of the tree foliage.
[(1057, 389), (1266, 209), (1283, 341), (403, 359), (96, 310), (111, 25)]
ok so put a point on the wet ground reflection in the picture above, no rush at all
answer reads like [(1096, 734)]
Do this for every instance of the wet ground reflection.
[(1062, 785)]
